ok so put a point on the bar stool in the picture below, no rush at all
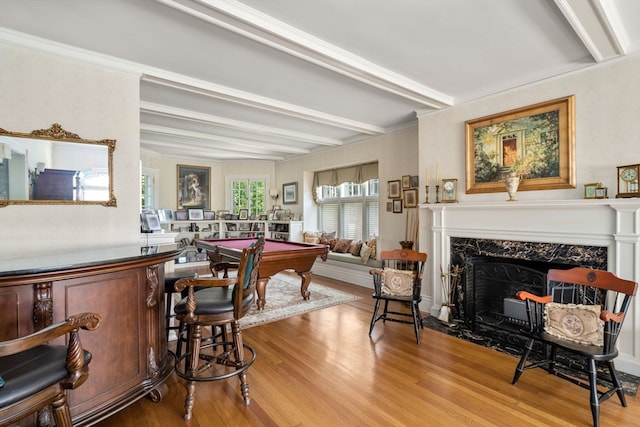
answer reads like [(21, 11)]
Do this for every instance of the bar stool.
[(170, 280)]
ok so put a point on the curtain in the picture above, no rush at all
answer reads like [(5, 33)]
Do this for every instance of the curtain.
[(357, 174)]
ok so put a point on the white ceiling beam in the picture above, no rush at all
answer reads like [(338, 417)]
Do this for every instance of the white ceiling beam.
[(168, 111), (250, 23), (186, 83), (252, 100), (597, 25), (196, 151), (231, 144)]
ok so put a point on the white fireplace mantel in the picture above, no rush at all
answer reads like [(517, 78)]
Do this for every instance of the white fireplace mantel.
[(610, 223)]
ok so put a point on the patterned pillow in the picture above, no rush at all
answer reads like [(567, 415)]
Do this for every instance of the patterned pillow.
[(574, 322), (342, 245), (372, 244), (397, 282), (311, 236), (365, 252), (354, 248)]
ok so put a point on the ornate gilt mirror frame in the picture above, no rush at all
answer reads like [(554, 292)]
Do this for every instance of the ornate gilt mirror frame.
[(58, 135)]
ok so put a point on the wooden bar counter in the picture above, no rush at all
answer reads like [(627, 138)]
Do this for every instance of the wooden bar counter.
[(125, 285)]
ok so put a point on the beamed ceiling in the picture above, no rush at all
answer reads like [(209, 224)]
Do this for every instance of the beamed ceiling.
[(276, 79)]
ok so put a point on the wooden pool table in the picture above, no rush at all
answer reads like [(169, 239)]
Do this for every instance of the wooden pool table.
[(278, 255)]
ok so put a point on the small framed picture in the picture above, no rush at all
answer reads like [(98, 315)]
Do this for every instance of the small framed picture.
[(243, 214), (279, 215), (393, 189), (389, 207), (209, 215), (411, 198), (150, 222), (406, 181), (415, 181), (590, 190), (290, 193), (397, 206), (196, 214), (182, 216)]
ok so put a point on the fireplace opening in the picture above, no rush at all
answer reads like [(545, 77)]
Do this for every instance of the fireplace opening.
[(491, 284)]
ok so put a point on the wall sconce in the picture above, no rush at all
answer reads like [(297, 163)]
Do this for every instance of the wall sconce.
[(274, 195)]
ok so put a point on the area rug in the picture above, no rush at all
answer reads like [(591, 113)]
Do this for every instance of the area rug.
[(284, 300), (511, 344)]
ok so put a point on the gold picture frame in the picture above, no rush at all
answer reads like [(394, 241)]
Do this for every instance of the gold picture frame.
[(540, 137), (193, 187)]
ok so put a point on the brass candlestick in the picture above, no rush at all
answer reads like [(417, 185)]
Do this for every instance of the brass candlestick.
[(437, 193), (426, 198)]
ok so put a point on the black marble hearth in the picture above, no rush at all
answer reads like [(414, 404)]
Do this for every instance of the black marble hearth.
[(503, 267)]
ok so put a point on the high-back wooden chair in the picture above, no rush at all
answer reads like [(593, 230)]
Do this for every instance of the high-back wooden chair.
[(35, 374), (221, 304), (399, 281), (582, 315)]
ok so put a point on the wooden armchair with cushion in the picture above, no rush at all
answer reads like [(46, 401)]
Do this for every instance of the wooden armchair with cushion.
[(36, 374), (399, 281), (582, 316)]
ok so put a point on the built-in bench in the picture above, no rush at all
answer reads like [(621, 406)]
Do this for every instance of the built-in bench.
[(346, 267)]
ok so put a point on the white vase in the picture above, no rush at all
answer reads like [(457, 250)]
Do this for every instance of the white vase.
[(511, 182)]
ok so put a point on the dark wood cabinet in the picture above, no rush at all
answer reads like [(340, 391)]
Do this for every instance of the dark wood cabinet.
[(130, 355), (54, 184)]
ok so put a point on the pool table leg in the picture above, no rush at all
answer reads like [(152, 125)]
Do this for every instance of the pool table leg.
[(261, 287), (306, 279)]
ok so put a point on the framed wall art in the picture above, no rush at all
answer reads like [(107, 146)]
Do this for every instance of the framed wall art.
[(193, 187), (411, 198), (406, 181), (393, 189), (290, 193), (397, 206), (536, 142)]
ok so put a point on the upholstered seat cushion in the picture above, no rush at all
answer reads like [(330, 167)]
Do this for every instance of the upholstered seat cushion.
[(212, 301), (32, 370)]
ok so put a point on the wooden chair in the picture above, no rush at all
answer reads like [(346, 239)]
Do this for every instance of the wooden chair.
[(218, 264), (222, 304), (36, 374), (588, 306), (402, 268)]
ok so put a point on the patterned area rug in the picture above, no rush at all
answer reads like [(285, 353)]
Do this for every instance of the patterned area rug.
[(284, 300), (512, 344)]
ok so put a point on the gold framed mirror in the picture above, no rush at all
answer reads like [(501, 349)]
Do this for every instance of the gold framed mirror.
[(55, 167)]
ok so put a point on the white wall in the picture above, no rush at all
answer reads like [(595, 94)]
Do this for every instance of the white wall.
[(607, 126), (397, 155), (37, 90)]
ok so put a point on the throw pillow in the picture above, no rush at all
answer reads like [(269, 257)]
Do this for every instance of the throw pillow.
[(365, 252), (311, 236), (574, 322), (397, 282), (329, 242), (326, 235), (342, 245), (354, 248), (374, 249)]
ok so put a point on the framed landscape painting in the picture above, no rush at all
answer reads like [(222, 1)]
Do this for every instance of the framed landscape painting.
[(536, 142)]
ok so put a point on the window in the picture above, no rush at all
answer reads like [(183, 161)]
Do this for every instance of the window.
[(148, 189), (248, 194), (350, 209)]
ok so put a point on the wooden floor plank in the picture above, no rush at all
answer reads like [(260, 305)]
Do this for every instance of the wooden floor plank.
[(323, 369)]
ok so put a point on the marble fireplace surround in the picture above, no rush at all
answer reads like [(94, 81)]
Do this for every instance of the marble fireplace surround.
[(611, 224)]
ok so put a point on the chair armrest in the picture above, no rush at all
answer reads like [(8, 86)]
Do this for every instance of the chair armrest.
[(607, 316), (524, 295), (205, 283), (376, 271), (87, 321)]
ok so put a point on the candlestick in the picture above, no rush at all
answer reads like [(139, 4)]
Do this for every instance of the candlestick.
[(426, 197), (437, 193)]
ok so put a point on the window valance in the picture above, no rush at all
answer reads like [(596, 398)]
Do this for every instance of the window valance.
[(357, 173)]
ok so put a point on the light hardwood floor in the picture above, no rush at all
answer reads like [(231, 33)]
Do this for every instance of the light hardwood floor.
[(323, 369)]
